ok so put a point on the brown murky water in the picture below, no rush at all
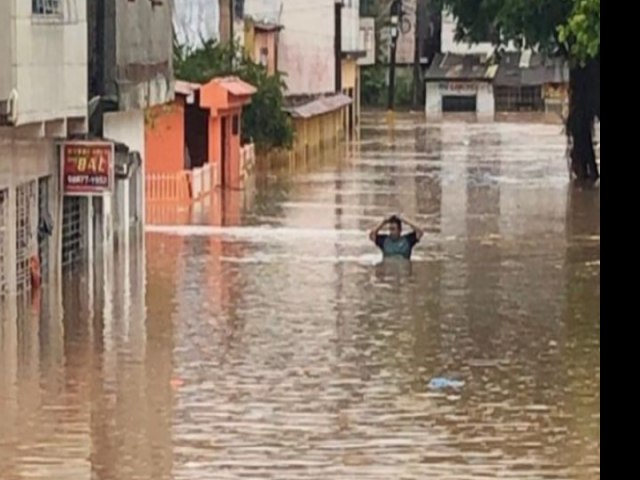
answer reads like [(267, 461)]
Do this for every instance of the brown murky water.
[(274, 345)]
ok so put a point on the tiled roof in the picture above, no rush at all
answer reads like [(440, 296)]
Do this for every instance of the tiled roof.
[(450, 66), (318, 106), (530, 69)]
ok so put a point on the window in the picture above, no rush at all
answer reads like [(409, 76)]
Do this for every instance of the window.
[(235, 125), (459, 103), (523, 98), (46, 7), (264, 56)]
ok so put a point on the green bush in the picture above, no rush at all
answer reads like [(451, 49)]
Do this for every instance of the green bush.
[(264, 122), (375, 91)]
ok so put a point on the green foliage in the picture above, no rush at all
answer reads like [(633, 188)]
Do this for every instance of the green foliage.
[(569, 27), (263, 121), (374, 88), (374, 85), (581, 32)]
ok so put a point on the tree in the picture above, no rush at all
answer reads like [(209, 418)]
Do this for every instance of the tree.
[(264, 121), (568, 28)]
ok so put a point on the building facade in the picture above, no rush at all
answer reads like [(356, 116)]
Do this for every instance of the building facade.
[(43, 101), (130, 71)]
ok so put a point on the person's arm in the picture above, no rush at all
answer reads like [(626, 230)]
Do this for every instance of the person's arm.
[(417, 230), (373, 234)]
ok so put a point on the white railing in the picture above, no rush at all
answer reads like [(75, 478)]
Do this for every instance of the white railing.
[(202, 181), (247, 161)]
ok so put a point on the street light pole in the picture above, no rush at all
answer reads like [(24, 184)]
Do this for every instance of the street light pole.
[(337, 44), (396, 12)]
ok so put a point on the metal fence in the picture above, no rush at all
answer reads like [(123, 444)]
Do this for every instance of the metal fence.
[(4, 213), (43, 214), (25, 200), (72, 231)]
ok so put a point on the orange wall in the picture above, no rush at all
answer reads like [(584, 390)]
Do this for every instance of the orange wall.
[(232, 174), (164, 137)]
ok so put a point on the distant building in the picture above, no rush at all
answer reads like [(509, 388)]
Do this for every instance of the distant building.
[(460, 83), (474, 78)]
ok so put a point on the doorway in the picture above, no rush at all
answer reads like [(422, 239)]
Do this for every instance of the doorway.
[(459, 103), (224, 151), (196, 133)]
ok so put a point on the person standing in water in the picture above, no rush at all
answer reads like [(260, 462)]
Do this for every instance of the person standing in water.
[(395, 244)]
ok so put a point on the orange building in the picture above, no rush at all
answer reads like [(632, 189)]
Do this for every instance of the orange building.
[(194, 143)]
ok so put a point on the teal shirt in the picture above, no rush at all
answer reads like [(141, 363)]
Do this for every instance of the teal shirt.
[(402, 247)]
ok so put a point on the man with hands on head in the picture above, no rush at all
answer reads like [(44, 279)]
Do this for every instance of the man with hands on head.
[(395, 244)]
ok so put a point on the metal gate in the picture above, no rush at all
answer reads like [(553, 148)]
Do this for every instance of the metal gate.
[(44, 216), (4, 213), (25, 198), (72, 233)]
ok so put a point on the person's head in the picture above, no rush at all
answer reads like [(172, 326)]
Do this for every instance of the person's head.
[(395, 227)]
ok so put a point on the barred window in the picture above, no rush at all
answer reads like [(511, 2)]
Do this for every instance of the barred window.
[(46, 7)]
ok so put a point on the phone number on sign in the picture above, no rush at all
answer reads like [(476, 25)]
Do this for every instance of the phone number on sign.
[(97, 181)]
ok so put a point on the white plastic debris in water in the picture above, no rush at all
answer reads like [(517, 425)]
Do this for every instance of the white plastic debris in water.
[(440, 383)]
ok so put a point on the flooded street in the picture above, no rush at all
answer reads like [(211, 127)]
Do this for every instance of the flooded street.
[(273, 344)]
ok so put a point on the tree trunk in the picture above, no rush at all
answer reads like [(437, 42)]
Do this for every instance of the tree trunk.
[(584, 107)]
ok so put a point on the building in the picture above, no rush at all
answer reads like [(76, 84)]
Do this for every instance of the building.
[(531, 82), (352, 52), (261, 39), (321, 82), (130, 71), (474, 78), (43, 101), (194, 144), (461, 84)]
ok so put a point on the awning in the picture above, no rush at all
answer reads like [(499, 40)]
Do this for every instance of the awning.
[(319, 106)]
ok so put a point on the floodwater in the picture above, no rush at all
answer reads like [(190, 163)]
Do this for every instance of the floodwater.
[(269, 342)]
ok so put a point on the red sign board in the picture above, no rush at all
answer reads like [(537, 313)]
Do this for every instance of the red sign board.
[(87, 168)]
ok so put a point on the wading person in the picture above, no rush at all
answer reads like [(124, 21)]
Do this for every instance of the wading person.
[(395, 244)]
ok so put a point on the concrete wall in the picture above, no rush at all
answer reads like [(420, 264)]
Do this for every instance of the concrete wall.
[(306, 47), (44, 57), (129, 128), (7, 81), (485, 102), (483, 91), (367, 42), (194, 20), (351, 26), (144, 52), (306, 50)]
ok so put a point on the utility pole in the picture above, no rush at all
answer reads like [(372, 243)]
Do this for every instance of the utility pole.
[(419, 29), (226, 9), (396, 12), (337, 17), (231, 17)]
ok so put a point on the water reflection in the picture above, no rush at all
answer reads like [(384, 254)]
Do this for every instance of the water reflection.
[(268, 340)]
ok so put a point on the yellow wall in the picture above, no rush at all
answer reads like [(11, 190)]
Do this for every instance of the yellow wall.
[(349, 73)]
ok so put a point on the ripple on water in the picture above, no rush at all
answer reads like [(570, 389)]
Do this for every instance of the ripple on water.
[(291, 352)]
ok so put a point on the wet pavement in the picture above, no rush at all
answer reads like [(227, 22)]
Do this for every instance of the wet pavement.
[(272, 343)]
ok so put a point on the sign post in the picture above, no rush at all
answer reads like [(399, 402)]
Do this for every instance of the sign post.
[(87, 168)]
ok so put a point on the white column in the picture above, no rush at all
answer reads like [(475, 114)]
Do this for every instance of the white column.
[(433, 102), (89, 233), (485, 102)]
